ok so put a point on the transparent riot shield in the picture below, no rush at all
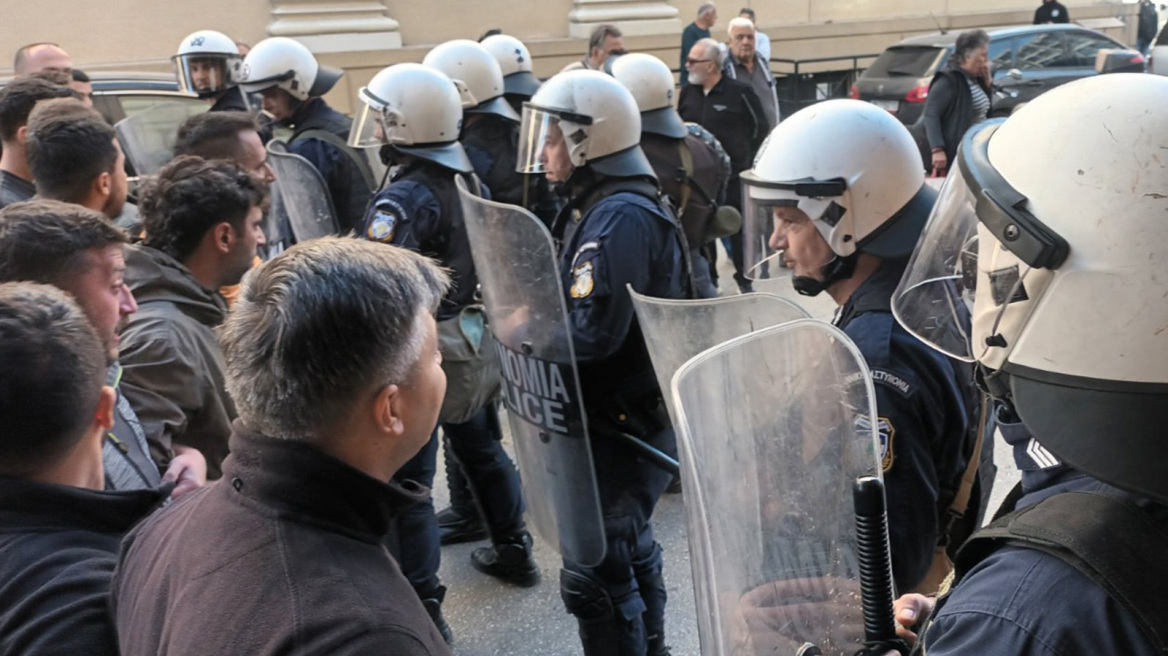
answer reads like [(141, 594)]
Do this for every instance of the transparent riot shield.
[(517, 268), (300, 198), (675, 330), (774, 428), (147, 136)]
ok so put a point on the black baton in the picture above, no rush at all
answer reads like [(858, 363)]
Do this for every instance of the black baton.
[(655, 456), (875, 567)]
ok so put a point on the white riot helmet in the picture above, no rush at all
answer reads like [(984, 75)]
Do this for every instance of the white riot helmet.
[(287, 64), (854, 170), (207, 63), (1051, 234), (417, 110), (591, 112), (515, 62), (651, 83), (477, 75)]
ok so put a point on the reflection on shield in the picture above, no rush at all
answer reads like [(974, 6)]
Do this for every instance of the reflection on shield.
[(147, 137), (772, 439), (300, 198), (515, 259)]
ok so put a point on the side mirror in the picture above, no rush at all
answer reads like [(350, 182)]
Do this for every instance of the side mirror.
[(1014, 74)]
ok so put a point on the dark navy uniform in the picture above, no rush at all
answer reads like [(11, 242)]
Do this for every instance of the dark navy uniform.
[(420, 210), (624, 236), (233, 100), (492, 145), (925, 407), (1024, 602), (346, 182)]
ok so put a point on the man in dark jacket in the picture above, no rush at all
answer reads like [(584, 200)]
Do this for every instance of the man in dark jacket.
[(732, 112), (1149, 25), (17, 100), (1051, 11), (696, 31), (59, 531), (80, 252), (285, 555), (202, 221)]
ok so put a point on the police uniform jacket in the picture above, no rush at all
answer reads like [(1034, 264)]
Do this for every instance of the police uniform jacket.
[(1024, 602), (419, 209), (346, 183), (59, 545), (624, 236), (492, 145), (284, 555), (924, 403), (173, 366)]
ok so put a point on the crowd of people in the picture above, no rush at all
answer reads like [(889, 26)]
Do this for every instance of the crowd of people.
[(222, 435)]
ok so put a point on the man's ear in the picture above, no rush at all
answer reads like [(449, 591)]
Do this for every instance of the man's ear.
[(388, 411), (102, 185), (104, 415), (224, 237), (22, 135)]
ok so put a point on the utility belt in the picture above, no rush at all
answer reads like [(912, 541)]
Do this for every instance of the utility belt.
[(470, 362)]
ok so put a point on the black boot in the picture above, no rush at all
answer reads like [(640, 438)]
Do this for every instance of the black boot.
[(433, 606), (454, 528), (508, 560)]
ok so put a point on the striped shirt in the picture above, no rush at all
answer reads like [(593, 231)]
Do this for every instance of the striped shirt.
[(981, 102)]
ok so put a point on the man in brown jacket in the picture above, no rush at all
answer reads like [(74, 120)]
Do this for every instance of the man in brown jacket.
[(332, 358)]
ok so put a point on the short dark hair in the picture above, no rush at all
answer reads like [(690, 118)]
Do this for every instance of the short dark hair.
[(288, 342), (44, 241), (80, 75), (749, 12), (19, 97), (214, 135), (54, 370), (69, 145), (601, 33), (52, 75), (968, 42), (189, 196)]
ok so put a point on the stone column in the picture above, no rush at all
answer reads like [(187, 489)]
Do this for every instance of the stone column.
[(335, 25), (633, 17)]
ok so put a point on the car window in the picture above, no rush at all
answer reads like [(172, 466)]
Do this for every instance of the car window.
[(1041, 50), (907, 61), (1001, 54), (1084, 47)]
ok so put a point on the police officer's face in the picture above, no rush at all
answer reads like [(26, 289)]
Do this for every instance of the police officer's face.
[(804, 249), (556, 159), (205, 74), (100, 289), (278, 103), (255, 156)]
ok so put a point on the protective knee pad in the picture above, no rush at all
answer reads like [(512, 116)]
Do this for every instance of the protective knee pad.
[(585, 597)]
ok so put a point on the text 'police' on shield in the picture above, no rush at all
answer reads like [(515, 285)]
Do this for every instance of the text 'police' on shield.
[(541, 392)]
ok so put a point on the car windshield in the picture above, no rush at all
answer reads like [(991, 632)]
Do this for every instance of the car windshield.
[(905, 61)]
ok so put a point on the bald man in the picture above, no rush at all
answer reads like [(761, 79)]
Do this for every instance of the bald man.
[(40, 57)]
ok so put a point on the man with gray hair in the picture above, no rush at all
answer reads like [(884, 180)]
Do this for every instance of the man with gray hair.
[(606, 41), (285, 554), (696, 31), (746, 64), (762, 42)]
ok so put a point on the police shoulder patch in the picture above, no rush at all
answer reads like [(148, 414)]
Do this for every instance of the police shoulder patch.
[(889, 379), (885, 432), (582, 283), (387, 216)]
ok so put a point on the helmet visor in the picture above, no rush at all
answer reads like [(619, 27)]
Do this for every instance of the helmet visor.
[(205, 74), (545, 134), (768, 214), (368, 130)]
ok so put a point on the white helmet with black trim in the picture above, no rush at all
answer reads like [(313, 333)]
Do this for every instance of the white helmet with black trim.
[(854, 170), (595, 115), (1050, 236), (415, 109), (477, 74), (207, 63), (289, 65), (515, 62), (651, 83)]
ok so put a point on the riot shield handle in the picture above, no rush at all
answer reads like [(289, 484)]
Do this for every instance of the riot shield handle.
[(875, 568)]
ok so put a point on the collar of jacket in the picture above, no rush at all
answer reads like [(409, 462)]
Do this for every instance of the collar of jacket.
[(316, 114), (300, 483), (875, 293), (32, 506), (730, 67), (154, 276)]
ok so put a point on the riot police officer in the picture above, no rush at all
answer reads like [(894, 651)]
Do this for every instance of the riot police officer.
[(292, 84), (209, 65), (843, 186), (582, 130), (519, 82), (689, 162), (417, 111), (1060, 262)]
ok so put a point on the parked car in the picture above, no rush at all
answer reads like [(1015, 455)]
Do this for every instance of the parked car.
[(1026, 61)]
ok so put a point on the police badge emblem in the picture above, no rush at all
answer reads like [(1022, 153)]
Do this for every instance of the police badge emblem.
[(382, 226), (582, 284)]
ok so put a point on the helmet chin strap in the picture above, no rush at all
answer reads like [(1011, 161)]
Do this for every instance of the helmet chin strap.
[(841, 267)]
